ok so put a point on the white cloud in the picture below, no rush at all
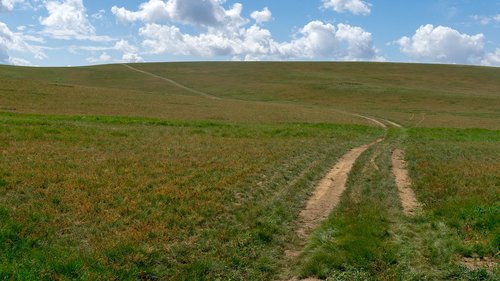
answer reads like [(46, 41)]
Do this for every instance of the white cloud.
[(315, 40), (104, 57), (485, 20), (19, 61), (67, 20), (225, 33), (444, 45), (99, 15), (152, 11), (262, 16), (208, 13), (130, 52), (8, 5), (10, 41), (357, 7), (492, 59), (327, 41)]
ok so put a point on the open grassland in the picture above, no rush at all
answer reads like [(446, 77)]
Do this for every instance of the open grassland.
[(104, 198), (457, 177), (46, 97), (108, 173), (411, 94)]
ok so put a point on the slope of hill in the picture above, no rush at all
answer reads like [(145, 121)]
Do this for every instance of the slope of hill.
[(199, 171)]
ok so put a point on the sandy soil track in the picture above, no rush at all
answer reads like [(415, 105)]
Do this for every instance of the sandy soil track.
[(408, 199), (328, 192)]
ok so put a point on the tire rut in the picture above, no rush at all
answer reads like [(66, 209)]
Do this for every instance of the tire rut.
[(328, 192), (403, 182)]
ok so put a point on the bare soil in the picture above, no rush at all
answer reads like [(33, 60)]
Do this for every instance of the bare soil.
[(474, 263), (403, 182), (328, 192)]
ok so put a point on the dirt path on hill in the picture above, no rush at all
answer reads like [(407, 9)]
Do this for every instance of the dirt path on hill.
[(406, 194), (173, 83), (373, 120), (328, 192)]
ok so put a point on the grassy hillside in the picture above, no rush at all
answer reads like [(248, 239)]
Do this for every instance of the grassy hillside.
[(411, 94), (109, 173)]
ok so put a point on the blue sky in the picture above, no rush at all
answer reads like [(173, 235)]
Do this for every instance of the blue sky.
[(81, 32)]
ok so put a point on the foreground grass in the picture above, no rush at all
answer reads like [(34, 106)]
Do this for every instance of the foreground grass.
[(125, 198), (355, 242), (367, 237), (123, 191), (457, 177)]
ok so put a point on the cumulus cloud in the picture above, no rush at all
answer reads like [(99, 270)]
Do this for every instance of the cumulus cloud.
[(315, 40), (225, 32), (104, 57), (10, 41), (152, 11), (67, 19), (208, 13), (443, 44), (357, 7), (8, 5), (492, 59), (262, 16), (130, 52)]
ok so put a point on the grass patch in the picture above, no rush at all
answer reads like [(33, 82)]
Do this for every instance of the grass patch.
[(457, 177), (113, 197)]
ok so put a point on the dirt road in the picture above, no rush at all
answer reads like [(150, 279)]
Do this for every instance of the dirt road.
[(406, 194)]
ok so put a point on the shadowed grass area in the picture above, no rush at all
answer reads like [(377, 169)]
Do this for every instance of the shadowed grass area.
[(114, 197)]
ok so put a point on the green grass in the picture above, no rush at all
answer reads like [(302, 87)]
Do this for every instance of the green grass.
[(107, 173), (411, 94), (456, 178), (114, 197)]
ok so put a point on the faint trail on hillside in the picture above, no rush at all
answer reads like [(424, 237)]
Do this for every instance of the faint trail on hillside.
[(393, 123), (173, 83), (373, 120), (406, 194), (206, 95)]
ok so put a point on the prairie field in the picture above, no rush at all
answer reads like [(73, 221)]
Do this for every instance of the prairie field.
[(115, 173)]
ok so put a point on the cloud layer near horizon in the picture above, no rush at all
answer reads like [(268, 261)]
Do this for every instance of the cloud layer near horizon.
[(211, 29)]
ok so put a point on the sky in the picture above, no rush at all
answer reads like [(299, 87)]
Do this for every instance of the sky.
[(83, 32)]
